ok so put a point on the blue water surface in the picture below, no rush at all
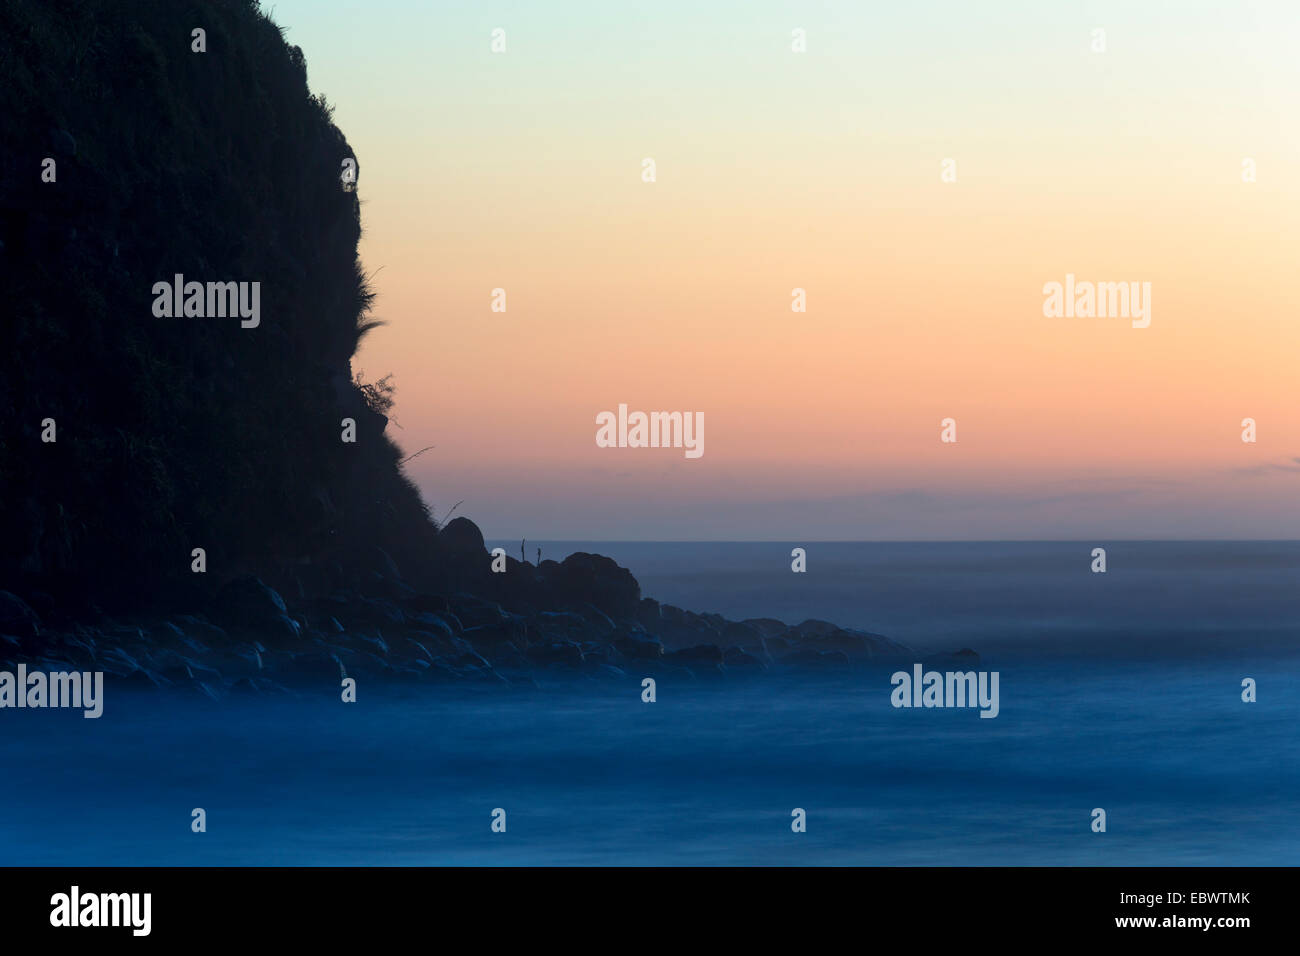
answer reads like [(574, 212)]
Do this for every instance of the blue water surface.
[(1143, 719)]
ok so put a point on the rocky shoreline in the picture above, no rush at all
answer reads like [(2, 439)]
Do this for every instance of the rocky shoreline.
[(583, 616)]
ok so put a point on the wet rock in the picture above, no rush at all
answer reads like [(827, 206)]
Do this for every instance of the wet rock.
[(856, 645), (317, 665), (767, 626), (555, 652), (597, 619), (369, 611), (964, 659), (812, 629), (358, 663), (777, 646), (250, 604), (584, 578), (244, 687), (736, 659), (376, 645), (435, 603), (508, 657), (203, 630), (472, 612), (437, 623), (140, 680), (639, 648), (815, 659), (489, 636), (17, 618), (647, 614), (62, 142), (562, 626), (699, 654)]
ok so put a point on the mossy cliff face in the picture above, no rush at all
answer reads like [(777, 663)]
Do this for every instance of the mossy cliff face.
[(176, 433)]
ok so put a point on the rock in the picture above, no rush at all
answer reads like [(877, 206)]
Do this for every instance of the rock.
[(474, 612), (434, 623), (647, 613), (812, 628), (597, 619), (736, 659), (595, 654), (767, 626), (555, 652), (421, 651), (740, 634), (140, 680), (955, 660), (81, 652), (435, 603), (17, 617), (381, 562), (241, 661), (595, 579), (189, 670), (461, 539), (588, 617), (508, 656), (856, 645), (247, 602), (202, 629), (376, 645), (639, 648), (283, 628), (206, 690), (699, 654), (469, 659), (809, 657), (62, 142), (684, 628), (316, 665), (562, 626), (371, 610), (168, 634), (777, 646), (363, 663), (489, 635)]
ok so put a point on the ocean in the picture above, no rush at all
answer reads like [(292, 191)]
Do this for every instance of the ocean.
[(1119, 691)]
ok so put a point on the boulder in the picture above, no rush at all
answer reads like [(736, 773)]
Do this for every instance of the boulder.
[(17, 617), (597, 580), (248, 603), (699, 654), (639, 648), (461, 539)]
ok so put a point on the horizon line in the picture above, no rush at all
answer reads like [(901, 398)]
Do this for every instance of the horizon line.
[(907, 540)]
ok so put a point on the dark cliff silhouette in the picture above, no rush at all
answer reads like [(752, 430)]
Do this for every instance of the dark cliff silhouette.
[(184, 432)]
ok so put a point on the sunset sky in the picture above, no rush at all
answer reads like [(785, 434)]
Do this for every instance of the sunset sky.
[(821, 170)]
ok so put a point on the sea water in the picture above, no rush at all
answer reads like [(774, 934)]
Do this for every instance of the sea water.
[(1119, 691)]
